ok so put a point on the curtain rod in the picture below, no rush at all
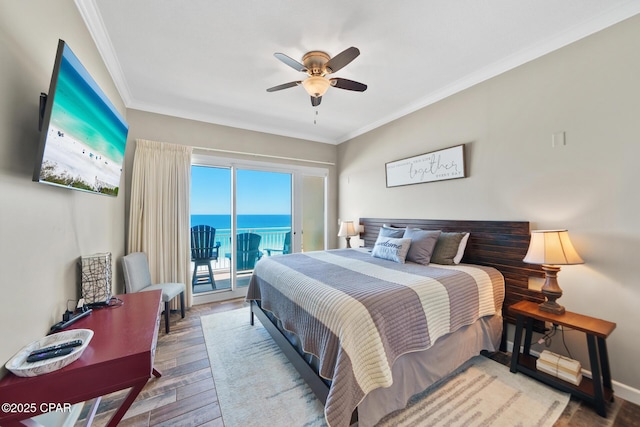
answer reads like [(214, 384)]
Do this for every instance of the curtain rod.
[(264, 155)]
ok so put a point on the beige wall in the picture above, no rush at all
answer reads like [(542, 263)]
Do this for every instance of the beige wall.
[(175, 130), (591, 91), (43, 229)]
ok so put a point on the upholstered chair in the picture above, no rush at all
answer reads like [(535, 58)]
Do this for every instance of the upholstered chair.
[(137, 278)]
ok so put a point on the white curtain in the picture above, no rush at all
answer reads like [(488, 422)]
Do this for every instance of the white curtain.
[(159, 211)]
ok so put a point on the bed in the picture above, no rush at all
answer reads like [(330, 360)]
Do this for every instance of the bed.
[(367, 333)]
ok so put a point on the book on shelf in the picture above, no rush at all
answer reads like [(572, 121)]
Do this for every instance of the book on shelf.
[(559, 366)]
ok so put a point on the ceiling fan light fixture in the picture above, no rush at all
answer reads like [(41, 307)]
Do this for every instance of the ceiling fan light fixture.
[(316, 86), (316, 65)]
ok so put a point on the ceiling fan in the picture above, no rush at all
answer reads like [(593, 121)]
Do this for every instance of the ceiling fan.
[(317, 65)]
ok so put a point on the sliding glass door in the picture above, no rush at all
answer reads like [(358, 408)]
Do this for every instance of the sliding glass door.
[(257, 211), (262, 218), (211, 220), (238, 216)]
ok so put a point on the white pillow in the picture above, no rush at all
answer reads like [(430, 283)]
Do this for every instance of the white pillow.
[(461, 248), (391, 249)]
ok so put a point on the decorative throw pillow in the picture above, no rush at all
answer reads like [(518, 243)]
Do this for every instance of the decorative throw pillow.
[(461, 248), (422, 244), (391, 249), (447, 248), (388, 231)]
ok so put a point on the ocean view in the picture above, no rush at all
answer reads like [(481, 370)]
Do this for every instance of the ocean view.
[(271, 228), (223, 222)]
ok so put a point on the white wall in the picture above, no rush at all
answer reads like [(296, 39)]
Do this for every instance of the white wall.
[(591, 91), (43, 229)]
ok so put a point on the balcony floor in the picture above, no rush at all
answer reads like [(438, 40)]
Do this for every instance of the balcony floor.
[(223, 281)]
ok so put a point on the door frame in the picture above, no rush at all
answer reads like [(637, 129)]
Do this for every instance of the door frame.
[(297, 172)]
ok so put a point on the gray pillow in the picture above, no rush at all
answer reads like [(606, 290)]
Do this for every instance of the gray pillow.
[(386, 231), (422, 244), (447, 248), (391, 249)]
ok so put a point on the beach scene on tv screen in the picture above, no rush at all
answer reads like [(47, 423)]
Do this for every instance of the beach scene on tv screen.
[(86, 137)]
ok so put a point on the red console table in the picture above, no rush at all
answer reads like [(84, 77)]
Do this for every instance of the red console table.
[(119, 356)]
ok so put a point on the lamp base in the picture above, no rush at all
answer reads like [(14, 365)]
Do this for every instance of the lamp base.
[(551, 290), (551, 307), (348, 241)]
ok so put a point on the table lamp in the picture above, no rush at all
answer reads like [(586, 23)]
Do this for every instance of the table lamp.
[(551, 248), (347, 230)]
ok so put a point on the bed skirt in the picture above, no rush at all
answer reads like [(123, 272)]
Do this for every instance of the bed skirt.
[(414, 372)]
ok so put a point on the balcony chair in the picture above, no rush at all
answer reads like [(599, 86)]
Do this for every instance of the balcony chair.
[(137, 278), (286, 247), (204, 249), (247, 251)]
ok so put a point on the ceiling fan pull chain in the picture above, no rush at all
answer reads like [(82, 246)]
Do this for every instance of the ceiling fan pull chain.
[(314, 120)]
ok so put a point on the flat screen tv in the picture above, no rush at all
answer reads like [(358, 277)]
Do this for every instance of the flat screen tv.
[(82, 135)]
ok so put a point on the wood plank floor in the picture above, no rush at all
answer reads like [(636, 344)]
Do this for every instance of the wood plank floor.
[(185, 395)]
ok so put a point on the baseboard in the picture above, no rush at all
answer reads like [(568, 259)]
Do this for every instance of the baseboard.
[(620, 390)]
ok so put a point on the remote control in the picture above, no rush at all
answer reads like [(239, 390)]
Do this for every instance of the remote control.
[(61, 325), (74, 343), (49, 354)]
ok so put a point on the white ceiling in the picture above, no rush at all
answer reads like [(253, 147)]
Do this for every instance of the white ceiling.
[(212, 61)]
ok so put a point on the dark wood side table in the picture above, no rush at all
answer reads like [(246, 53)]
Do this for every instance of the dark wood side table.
[(119, 356), (596, 390)]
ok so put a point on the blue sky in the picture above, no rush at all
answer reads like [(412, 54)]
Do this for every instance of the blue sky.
[(259, 192)]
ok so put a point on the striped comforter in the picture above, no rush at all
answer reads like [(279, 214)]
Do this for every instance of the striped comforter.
[(358, 313)]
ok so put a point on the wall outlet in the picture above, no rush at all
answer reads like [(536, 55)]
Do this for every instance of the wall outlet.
[(558, 139)]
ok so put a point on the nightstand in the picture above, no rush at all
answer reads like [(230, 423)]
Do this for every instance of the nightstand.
[(596, 390)]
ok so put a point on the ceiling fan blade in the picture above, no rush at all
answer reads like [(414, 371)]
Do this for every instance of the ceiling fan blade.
[(284, 86), (348, 84), (342, 59), (315, 101), (290, 62)]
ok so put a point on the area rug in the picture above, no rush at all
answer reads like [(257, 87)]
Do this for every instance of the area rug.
[(258, 386)]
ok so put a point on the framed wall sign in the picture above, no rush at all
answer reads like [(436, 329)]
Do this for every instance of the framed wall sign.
[(434, 166)]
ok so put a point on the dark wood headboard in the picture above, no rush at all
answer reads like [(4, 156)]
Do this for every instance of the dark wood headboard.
[(499, 244)]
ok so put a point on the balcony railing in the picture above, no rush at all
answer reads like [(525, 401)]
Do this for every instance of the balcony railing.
[(272, 238)]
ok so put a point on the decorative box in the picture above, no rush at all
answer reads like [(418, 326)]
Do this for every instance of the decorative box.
[(96, 278)]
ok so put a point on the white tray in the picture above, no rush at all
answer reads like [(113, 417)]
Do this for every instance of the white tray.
[(18, 364)]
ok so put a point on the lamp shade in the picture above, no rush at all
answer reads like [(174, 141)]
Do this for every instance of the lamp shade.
[(316, 86), (347, 229), (551, 247)]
